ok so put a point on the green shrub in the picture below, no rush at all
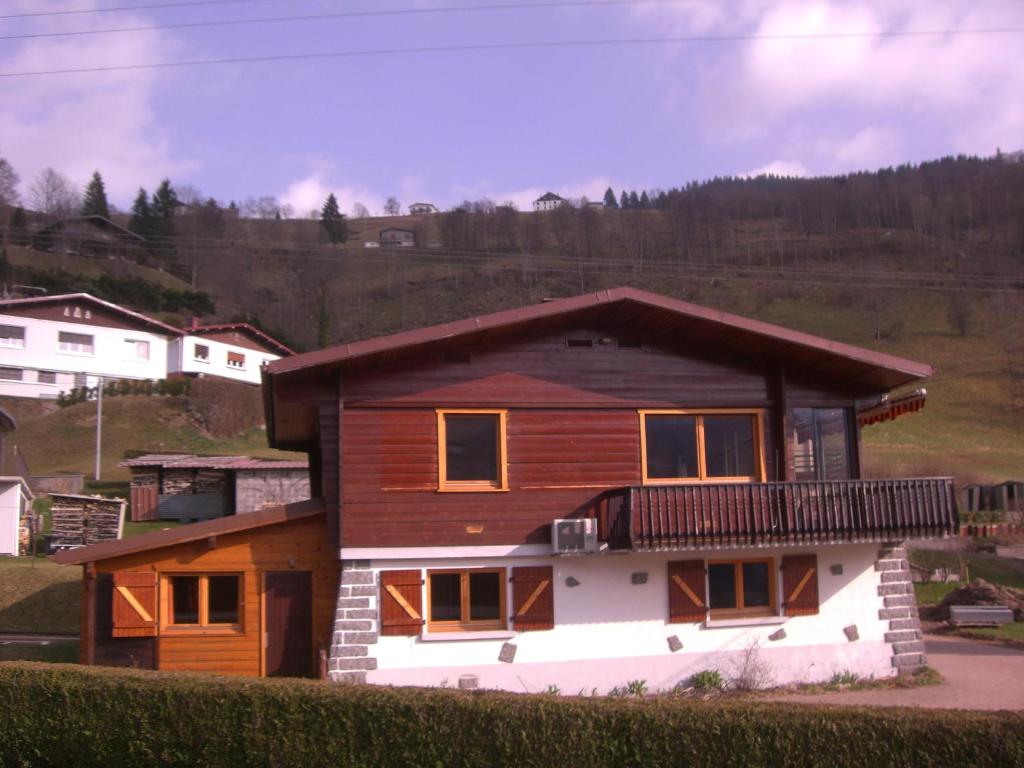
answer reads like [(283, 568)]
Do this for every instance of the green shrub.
[(708, 680), (55, 715)]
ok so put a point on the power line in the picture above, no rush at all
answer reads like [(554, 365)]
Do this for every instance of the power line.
[(153, 7), (520, 46), (450, 9)]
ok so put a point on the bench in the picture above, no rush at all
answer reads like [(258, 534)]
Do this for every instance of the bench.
[(979, 615)]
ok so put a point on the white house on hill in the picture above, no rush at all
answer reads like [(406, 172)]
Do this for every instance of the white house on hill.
[(549, 201), (51, 344)]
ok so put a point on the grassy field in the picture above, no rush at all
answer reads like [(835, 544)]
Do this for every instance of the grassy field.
[(1007, 571), (80, 265), (933, 592), (38, 596), (1012, 633), (64, 440)]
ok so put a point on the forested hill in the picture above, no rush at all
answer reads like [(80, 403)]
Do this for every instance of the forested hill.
[(922, 261)]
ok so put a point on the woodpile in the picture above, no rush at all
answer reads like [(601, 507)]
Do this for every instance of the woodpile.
[(140, 478), (82, 520), (210, 481), (178, 481)]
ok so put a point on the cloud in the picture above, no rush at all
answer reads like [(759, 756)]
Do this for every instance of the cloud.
[(79, 123), (780, 168), (307, 194), (962, 89)]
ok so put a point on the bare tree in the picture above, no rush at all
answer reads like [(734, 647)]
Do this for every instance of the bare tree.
[(8, 196), (360, 211), (265, 207), (392, 207), (53, 193)]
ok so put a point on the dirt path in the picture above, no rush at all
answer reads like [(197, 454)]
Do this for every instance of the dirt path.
[(978, 675)]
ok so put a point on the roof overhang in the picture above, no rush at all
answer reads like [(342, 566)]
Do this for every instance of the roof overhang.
[(670, 321), (221, 526), (137, 317), (19, 480)]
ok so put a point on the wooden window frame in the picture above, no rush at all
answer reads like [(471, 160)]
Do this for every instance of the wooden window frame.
[(757, 414), (464, 624), (204, 627), (472, 486), (741, 611)]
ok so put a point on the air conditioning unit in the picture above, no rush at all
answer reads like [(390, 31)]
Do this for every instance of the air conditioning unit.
[(574, 537)]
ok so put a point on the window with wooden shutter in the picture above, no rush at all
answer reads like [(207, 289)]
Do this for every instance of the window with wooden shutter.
[(134, 604), (687, 598), (800, 584), (533, 598), (236, 360), (401, 602)]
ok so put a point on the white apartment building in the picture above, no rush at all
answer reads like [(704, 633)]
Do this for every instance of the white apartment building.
[(51, 344)]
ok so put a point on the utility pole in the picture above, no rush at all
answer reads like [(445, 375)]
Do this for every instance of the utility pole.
[(99, 424)]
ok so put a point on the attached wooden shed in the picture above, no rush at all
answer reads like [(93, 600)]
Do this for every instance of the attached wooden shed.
[(248, 595)]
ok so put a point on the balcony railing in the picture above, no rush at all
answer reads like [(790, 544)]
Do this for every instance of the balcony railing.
[(739, 514)]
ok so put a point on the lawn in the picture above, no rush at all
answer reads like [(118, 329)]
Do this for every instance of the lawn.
[(57, 652), (1013, 632), (38, 596), (1006, 571), (933, 592)]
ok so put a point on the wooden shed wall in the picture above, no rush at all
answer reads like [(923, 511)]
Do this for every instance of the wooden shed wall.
[(300, 545), (573, 432)]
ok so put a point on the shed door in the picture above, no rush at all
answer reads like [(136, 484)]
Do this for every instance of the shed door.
[(288, 623)]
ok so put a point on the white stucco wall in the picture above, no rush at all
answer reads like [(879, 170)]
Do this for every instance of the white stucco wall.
[(609, 631), (11, 507), (110, 356), (182, 359)]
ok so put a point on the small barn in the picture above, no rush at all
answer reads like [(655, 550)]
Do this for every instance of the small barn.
[(246, 595), (190, 487), (78, 521)]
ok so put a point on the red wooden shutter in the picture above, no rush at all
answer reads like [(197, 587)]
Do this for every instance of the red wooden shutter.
[(800, 584), (687, 598), (401, 602), (134, 604), (533, 598)]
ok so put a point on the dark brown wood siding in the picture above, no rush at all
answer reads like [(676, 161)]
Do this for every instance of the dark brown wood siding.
[(573, 432)]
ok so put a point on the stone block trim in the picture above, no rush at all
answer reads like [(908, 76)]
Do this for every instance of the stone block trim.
[(355, 624), (900, 608)]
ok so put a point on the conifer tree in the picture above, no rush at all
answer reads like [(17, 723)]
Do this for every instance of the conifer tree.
[(94, 202), (142, 215), (645, 201), (634, 201), (624, 200), (609, 199), (333, 220)]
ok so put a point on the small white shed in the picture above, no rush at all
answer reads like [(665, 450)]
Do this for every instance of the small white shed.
[(15, 497)]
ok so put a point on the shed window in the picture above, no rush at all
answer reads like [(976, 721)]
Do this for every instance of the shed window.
[(466, 599), (820, 439), (12, 336), (471, 451), (236, 360), (741, 587), (80, 343), (683, 446), (204, 600)]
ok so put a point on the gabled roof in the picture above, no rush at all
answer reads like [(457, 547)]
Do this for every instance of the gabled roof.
[(98, 221), (137, 317), (665, 320), (547, 197), (251, 330), (221, 526)]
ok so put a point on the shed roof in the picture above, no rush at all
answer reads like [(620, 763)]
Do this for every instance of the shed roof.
[(193, 532), (137, 317), (191, 461)]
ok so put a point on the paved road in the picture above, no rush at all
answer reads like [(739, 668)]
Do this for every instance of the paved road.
[(978, 675)]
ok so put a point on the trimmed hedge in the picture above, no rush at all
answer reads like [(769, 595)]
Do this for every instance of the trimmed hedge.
[(57, 715)]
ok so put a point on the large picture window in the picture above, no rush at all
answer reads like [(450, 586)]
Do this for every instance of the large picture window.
[(741, 588), (466, 599), (471, 451), (201, 601), (820, 440), (684, 446)]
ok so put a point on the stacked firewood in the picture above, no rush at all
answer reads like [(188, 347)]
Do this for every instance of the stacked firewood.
[(210, 481), (178, 481), (83, 520), (141, 478)]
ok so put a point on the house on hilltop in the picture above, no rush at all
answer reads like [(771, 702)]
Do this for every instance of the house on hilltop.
[(579, 493), (548, 202), (417, 209), (91, 235)]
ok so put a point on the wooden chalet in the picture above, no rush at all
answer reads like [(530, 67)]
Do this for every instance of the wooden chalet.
[(607, 487)]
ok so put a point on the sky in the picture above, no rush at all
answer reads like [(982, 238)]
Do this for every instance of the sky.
[(502, 123)]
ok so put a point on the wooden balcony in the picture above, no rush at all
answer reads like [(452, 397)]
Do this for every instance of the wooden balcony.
[(706, 515)]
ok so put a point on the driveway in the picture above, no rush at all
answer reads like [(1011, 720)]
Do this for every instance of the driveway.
[(978, 675)]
